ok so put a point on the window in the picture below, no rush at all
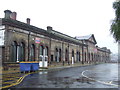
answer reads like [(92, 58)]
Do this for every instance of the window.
[(41, 50), (85, 57), (14, 52), (17, 52), (77, 56), (51, 57), (56, 55), (59, 54), (46, 51), (92, 56), (89, 56), (72, 53), (66, 55), (32, 52), (22, 52)]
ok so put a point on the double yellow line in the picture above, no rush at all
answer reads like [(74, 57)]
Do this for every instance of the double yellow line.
[(18, 81)]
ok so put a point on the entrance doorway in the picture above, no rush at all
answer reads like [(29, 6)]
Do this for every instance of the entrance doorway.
[(43, 56)]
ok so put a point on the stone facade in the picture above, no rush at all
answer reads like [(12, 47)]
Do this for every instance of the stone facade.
[(24, 42)]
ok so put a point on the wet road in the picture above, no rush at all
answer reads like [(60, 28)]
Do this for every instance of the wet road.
[(93, 76)]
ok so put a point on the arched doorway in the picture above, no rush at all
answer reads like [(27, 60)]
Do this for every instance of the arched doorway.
[(85, 57), (66, 55), (56, 55), (92, 57), (73, 57), (41, 49), (46, 53), (77, 56), (43, 56), (60, 55)]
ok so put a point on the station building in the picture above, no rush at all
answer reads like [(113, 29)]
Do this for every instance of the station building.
[(22, 42)]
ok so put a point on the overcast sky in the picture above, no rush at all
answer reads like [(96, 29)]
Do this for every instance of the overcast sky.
[(71, 17)]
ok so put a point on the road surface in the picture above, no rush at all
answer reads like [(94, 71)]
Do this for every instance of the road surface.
[(93, 76)]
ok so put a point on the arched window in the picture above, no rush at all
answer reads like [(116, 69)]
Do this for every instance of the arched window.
[(85, 56), (72, 53), (32, 52), (59, 54), (92, 56), (22, 52), (46, 51), (41, 50), (56, 55), (89, 56), (66, 55), (14, 52), (77, 56)]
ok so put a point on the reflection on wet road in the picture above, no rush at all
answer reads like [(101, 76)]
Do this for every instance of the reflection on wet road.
[(73, 78)]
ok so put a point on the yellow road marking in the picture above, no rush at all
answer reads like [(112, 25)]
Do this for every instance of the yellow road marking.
[(18, 81)]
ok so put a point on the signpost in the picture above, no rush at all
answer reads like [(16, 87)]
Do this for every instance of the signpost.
[(2, 31), (37, 40)]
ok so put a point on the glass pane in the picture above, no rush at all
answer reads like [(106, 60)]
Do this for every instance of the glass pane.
[(22, 52), (41, 50), (32, 53), (14, 52), (46, 51)]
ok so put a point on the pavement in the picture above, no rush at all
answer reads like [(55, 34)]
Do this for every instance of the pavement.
[(13, 77)]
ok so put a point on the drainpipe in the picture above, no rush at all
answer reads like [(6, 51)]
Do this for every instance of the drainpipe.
[(29, 46), (68, 55), (63, 52), (49, 54), (82, 53), (28, 22), (87, 54)]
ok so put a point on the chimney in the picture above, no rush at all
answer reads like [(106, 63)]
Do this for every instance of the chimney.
[(28, 20), (13, 15), (7, 14), (49, 28)]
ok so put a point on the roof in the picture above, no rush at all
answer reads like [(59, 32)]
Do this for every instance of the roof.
[(64, 36), (87, 37), (31, 28), (104, 49), (84, 37)]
